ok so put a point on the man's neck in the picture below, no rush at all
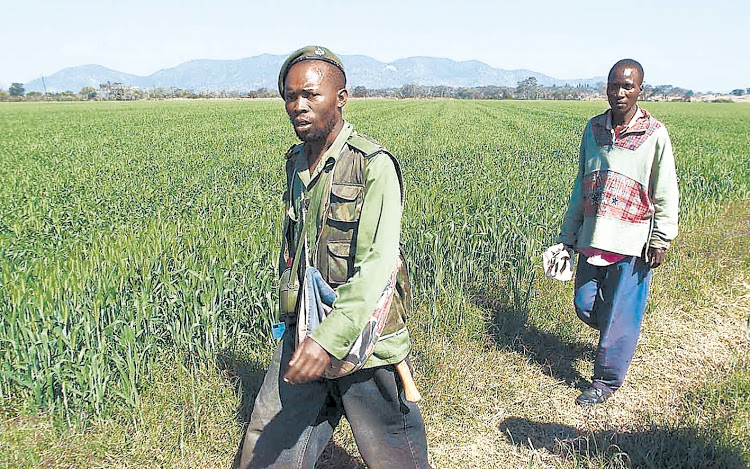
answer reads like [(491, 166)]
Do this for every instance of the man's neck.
[(622, 119), (316, 149)]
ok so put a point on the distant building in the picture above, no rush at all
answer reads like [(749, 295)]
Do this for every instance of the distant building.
[(117, 92)]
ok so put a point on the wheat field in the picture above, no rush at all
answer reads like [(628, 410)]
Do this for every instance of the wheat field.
[(137, 284)]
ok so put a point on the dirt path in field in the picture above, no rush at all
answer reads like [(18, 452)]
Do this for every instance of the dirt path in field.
[(680, 350), (533, 419)]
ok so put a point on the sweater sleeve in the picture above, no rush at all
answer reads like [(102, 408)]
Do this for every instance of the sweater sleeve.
[(574, 215), (664, 194), (374, 259)]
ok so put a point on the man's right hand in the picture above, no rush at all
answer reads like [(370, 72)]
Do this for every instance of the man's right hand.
[(656, 257), (308, 363)]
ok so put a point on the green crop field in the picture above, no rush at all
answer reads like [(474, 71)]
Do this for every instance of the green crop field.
[(137, 285)]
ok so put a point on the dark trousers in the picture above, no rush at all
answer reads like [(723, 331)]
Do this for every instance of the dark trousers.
[(612, 299), (291, 424)]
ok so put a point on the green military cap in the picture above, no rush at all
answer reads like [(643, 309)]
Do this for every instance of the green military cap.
[(308, 53)]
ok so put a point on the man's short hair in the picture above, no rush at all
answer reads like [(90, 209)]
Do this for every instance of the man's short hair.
[(628, 63)]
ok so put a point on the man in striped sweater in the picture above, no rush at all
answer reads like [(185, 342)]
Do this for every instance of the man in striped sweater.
[(621, 219)]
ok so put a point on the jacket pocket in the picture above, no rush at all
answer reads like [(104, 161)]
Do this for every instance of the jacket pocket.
[(346, 202), (340, 262)]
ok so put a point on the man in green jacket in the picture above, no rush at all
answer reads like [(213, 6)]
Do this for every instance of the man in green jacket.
[(344, 202)]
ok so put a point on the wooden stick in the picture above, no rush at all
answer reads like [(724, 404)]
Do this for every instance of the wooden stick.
[(410, 387)]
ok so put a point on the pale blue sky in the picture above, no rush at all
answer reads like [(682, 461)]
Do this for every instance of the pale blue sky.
[(700, 45)]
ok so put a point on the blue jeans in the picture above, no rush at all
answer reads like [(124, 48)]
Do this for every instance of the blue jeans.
[(291, 424), (612, 299)]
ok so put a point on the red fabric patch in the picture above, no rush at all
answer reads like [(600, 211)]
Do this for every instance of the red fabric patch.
[(610, 257), (613, 195)]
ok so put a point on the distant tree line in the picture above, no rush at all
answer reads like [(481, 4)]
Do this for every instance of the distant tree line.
[(528, 88), (525, 89), (120, 92)]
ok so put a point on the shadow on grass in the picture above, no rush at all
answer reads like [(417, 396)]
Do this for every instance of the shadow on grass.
[(246, 376), (509, 328), (650, 447)]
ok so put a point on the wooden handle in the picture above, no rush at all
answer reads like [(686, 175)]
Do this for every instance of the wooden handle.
[(410, 387)]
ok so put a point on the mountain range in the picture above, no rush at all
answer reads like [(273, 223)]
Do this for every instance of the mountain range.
[(262, 71)]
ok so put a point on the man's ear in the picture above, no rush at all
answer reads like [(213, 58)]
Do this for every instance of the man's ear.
[(342, 97)]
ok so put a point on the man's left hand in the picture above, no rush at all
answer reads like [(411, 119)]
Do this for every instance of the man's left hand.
[(656, 257), (308, 363)]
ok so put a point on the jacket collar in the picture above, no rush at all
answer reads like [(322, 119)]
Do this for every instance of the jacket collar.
[(640, 122), (331, 155)]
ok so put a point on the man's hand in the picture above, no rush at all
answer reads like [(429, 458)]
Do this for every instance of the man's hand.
[(308, 363), (656, 257)]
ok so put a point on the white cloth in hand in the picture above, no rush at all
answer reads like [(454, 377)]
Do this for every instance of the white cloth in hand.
[(558, 262)]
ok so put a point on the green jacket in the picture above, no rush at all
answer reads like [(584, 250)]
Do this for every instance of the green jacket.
[(352, 238)]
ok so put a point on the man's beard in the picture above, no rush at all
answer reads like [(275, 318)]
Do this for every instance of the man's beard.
[(317, 135)]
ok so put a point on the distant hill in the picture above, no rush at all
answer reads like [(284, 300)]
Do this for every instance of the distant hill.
[(75, 78), (262, 71)]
